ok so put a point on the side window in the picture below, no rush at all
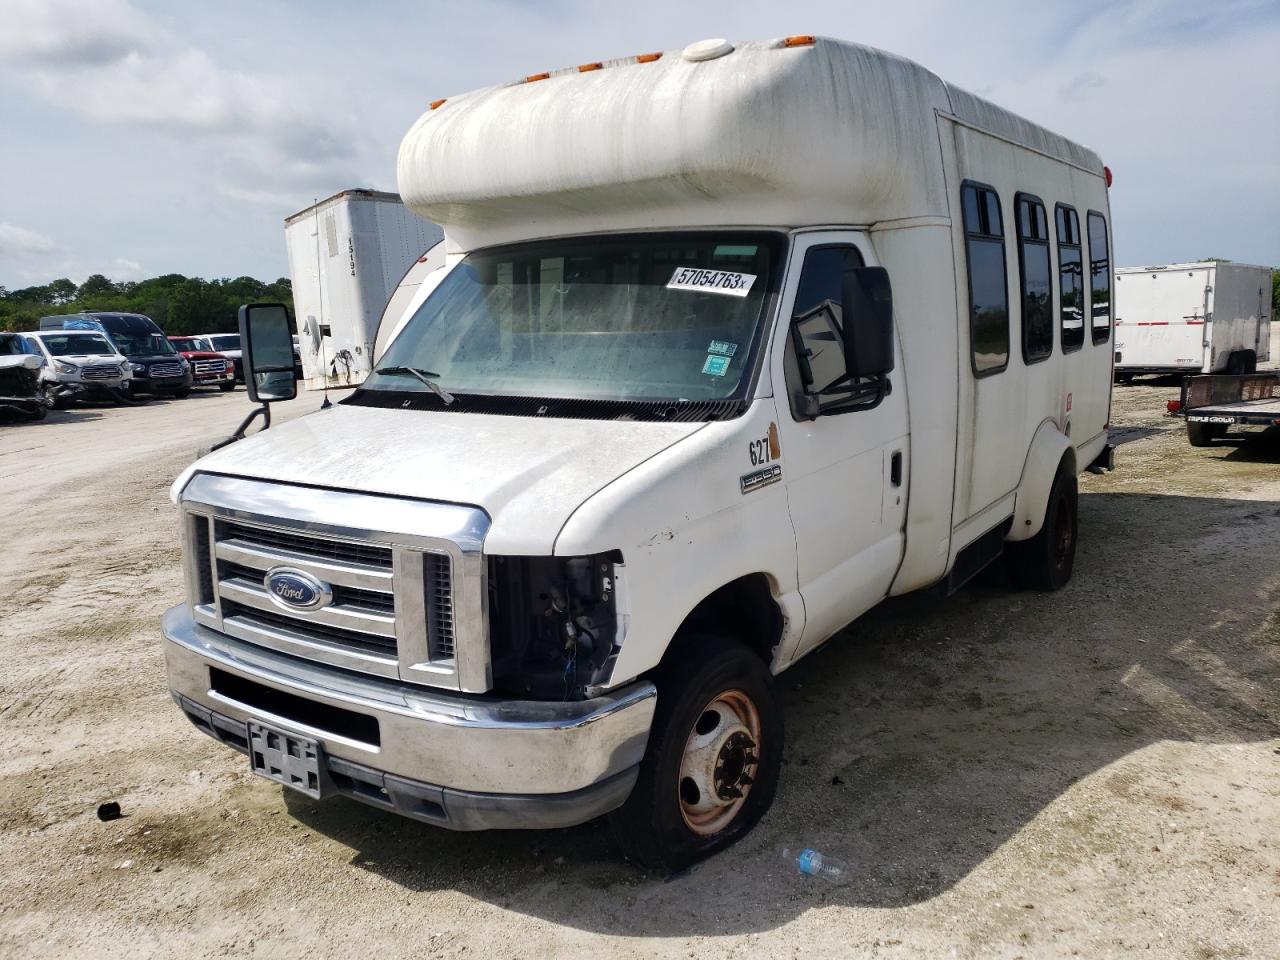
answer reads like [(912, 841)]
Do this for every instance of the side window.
[(1036, 283), (988, 282), (818, 316), (1099, 278), (1070, 279)]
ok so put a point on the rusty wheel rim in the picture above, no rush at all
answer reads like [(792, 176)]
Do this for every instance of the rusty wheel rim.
[(719, 763)]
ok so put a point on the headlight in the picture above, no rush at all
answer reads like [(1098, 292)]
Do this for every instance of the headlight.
[(125, 368), (138, 367), (182, 362), (67, 367), (553, 624)]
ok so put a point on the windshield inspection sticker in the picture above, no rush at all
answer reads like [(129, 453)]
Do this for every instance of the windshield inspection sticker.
[(712, 281), (723, 348), (716, 366)]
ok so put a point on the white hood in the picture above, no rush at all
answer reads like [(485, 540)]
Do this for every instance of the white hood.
[(528, 474)]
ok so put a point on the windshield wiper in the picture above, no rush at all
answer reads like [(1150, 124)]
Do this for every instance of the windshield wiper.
[(422, 375)]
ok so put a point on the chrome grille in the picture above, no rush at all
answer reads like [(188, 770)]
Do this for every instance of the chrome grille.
[(370, 554), (439, 605), (166, 370), (101, 371), (407, 605), (210, 366)]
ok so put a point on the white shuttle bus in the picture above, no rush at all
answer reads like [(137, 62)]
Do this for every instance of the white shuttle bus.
[(729, 344)]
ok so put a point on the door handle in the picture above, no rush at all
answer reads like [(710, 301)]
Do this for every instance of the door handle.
[(895, 468)]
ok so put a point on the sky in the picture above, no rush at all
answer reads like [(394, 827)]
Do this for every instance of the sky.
[(141, 138)]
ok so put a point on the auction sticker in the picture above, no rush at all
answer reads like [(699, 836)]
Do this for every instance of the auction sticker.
[(711, 281)]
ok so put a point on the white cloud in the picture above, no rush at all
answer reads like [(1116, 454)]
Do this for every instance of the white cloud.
[(19, 242), (113, 64)]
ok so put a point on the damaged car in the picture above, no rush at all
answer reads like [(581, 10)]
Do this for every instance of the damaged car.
[(80, 365), (22, 389)]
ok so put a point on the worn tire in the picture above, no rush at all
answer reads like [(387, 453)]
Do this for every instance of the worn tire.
[(1045, 562), (651, 826), (1203, 434)]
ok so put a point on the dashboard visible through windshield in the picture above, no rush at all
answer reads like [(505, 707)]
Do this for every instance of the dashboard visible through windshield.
[(643, 317)]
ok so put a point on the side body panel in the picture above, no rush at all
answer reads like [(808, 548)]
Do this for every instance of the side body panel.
[(1000, 413), (685, 529)]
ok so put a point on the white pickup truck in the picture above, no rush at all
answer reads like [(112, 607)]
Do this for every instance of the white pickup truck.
[(729, 344)]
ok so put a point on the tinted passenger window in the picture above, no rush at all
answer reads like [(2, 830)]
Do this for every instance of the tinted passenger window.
[(988, 284), (1100, 277), (1070, 279), (1036, 282), (818, 316)]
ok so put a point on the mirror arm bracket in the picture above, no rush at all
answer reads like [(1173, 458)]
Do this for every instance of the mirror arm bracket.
[(264, 411)]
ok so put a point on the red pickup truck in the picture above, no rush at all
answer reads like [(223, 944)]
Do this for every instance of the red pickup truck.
[(208, 367)]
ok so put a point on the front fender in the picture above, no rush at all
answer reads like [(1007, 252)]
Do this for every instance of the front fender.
[(1048, 448)]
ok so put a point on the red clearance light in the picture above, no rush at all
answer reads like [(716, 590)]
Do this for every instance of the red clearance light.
[(648, 57), (1106, 172), (1174, 406), (804, 40), (535, 77), (588, 67), (438, 103)]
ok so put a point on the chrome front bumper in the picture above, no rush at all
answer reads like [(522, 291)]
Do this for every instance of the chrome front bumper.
[(464, 762)]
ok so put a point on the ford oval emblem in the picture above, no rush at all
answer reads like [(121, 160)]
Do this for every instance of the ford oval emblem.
[(296, 589)]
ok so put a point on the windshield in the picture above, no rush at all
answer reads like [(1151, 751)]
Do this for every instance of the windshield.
[(229, 341), (68, 344), (641, 317), (141, 344), (192, 343)]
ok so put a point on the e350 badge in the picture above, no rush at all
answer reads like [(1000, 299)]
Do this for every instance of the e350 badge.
[(761, 478)]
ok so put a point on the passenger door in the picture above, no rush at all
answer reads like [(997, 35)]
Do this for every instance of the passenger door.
[(845, 472)]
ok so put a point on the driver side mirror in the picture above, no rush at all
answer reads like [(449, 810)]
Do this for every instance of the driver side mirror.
[(868, 329), (266, 342)]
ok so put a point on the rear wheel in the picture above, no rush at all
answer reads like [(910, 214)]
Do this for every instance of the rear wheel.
[(1046, 560), (715, 749), (1203, 434)]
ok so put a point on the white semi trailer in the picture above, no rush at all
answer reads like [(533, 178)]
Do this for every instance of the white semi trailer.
[(1208, 317), (729, 344), (346, 255)]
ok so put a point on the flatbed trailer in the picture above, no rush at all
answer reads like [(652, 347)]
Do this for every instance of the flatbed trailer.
[(1213, 405)]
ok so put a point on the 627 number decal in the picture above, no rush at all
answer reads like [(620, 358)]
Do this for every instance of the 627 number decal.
[(759, 450)]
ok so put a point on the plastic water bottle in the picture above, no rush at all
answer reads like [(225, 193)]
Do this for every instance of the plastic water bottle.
[(814, 864)]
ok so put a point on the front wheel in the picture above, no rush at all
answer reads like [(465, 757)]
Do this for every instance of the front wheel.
[(227, 387), (715, 750), (1046, 560)]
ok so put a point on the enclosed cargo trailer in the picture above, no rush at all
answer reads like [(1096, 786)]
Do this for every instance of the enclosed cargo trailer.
[(346, 256), (1207, 317)]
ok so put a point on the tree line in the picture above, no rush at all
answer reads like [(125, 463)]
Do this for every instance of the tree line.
[(180, 305)]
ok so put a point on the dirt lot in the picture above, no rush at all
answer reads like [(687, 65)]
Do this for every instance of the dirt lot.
[(1009, 774)]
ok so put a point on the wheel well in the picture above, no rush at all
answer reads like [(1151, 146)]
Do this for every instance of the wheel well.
[(744, 608)]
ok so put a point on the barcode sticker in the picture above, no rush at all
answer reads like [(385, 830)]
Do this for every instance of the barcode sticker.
[(711, 281)]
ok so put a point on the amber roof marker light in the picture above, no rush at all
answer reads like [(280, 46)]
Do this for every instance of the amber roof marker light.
[(648, 57), (588, 67), (439, 103), (535, 77), (800, 40)]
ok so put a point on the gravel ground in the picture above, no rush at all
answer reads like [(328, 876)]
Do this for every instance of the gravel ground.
[(1094, 772)]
